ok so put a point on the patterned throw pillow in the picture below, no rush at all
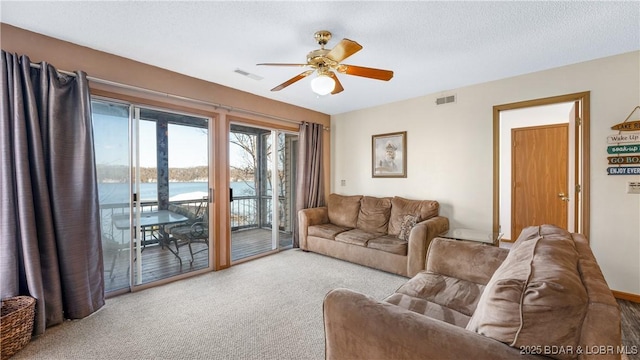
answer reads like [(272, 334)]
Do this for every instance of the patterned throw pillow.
[(408, 222)]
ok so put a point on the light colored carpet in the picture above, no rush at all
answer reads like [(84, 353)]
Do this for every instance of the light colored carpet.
[(268, 308)]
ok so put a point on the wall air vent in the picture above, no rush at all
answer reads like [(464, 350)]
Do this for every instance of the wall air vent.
[(446, 100), (248, 74)]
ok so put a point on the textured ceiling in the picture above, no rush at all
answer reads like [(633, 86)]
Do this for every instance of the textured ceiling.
[(431, 46)]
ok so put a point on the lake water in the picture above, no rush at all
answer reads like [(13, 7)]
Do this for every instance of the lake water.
[(118, 193)]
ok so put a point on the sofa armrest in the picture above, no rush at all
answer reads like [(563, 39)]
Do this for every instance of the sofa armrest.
[(472, 261), (419, 240), (310, 217), (359, 327)]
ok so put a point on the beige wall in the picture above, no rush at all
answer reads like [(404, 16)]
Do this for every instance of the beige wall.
[(450, 153), (67, 56)]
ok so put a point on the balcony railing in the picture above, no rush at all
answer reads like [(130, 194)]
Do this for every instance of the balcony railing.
[(247, 212), (107, 211)]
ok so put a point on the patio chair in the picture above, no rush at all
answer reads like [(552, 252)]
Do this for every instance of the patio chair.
[(112, 248), (195, 230)]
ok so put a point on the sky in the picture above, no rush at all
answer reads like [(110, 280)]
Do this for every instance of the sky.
[(188, 146)]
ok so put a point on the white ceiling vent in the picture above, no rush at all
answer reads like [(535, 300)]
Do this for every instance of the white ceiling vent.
[(248, 74), (446, 100)]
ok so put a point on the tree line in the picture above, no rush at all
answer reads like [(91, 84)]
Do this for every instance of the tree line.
[(120, 173)]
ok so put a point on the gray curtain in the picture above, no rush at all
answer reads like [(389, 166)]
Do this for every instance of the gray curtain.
[(310, 177), (50, 239)]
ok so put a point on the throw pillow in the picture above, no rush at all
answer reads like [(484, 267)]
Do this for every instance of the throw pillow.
[(408, 222), (424, 209)]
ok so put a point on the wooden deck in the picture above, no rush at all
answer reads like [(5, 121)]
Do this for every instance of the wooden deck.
[(251, 242), (159, 263)]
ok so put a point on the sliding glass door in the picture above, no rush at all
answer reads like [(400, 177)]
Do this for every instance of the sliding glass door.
[(262, 175), (111, 128), (153, 171)]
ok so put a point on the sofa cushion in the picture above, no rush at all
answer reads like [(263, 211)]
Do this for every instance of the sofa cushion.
[(356, 237), (459, 295), (424, 209), (389, 244), (479, 265), (343, 210), (538, 284), (374, 214), (326, 231), (428, 308)]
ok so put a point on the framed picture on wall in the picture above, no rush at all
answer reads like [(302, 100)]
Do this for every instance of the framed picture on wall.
[(389, 155)]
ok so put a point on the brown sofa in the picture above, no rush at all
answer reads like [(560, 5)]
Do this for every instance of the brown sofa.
[(544, 298), (390, 234)]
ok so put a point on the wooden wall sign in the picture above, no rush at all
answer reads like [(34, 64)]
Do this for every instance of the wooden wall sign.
[(623, 138), (624, 149), (627, 126), (623, 146), (634, 159), (623, 170)]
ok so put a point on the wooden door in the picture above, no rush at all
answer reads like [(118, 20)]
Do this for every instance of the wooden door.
[(539, 176)]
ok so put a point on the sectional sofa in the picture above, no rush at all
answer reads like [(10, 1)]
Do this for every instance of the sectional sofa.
[(544, 298)]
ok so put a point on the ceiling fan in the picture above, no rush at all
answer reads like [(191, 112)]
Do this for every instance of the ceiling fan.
[(326, 62)]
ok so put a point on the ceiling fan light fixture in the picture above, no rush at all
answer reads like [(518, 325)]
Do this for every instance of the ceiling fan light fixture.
[(327, 62), (322, 85)]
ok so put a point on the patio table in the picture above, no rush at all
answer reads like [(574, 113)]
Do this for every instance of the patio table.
[(149, 220)]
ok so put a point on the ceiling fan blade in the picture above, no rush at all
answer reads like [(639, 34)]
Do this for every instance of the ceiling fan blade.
[(372, 73), (292, 80), (281, 64), (343, 50), (338, 88)]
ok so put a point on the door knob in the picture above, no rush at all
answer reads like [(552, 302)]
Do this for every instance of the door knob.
[(563, 197)]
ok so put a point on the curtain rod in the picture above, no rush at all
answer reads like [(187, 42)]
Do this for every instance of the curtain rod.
[(178, 97)]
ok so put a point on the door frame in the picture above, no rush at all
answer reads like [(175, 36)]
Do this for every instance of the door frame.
[(582, 154)]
